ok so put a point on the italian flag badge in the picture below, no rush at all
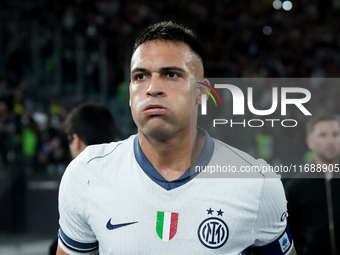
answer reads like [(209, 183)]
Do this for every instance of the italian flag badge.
[(166, 225)]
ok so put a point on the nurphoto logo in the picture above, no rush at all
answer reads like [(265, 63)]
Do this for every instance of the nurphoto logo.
[(238, 104)]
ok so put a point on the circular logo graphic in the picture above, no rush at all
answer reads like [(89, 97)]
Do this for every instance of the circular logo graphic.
[(213, 233)]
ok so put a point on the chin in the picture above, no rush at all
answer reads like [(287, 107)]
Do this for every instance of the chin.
[(329, 160), (158, 132)]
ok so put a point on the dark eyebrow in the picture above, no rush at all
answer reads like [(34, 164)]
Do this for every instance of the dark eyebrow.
[(138, 69), (162, 69), (172, 68)]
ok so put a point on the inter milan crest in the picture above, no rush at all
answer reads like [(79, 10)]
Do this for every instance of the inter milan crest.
[(166, 225), (213, 232)]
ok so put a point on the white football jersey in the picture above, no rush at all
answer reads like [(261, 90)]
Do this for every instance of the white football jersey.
[(112, 200)]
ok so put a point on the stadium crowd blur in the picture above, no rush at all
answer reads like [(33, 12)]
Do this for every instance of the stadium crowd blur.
[(241, 39), (301, 43)]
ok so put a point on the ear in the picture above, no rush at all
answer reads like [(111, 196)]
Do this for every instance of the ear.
[(78, 144), (204, 84)]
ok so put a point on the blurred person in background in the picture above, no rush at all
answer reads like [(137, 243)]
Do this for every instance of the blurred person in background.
[(313, 199), (87, 124)]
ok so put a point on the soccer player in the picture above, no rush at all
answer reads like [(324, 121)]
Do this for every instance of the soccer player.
[(313, 199), (87, 124), (137, 197)]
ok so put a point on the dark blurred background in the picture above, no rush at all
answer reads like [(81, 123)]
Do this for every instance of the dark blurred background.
[(57, 54)]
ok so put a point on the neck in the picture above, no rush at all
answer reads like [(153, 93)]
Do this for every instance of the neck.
[(330, 165), (172, 157)]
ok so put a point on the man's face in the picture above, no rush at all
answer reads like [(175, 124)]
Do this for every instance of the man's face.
[(324, 140), (160, 87)]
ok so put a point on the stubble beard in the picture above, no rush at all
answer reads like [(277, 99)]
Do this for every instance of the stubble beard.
[(328, 160)]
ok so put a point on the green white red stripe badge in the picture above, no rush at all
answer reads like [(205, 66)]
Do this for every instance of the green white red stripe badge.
[(166, 225)]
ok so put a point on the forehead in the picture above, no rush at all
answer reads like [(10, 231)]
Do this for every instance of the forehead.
[(157, 54), (326, 126)]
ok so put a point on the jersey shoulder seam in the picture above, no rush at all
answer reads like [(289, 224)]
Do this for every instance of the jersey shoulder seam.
[(235, 152), (103, 156)]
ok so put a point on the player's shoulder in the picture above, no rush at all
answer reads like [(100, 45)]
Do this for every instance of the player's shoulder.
[(242, 159), (235, 154), (82, 164), (101, 151)]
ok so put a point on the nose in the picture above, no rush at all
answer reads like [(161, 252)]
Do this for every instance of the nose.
[(156, 87), (331, 139)]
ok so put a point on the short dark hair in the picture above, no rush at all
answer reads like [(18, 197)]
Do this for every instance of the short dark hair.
[(93, 123), (170, 31), (321, 117)]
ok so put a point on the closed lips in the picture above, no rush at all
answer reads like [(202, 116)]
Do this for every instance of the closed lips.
[(153, 107), (153, 110)]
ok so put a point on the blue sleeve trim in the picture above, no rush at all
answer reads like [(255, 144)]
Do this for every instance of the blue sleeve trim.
[(281, 246), (74, 245), (103, 156)]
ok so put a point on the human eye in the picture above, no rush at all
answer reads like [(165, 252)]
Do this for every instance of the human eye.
[(322, 134), (139, 76), (172, 75)]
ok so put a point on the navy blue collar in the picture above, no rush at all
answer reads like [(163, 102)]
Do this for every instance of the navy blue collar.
[(202, 160)]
